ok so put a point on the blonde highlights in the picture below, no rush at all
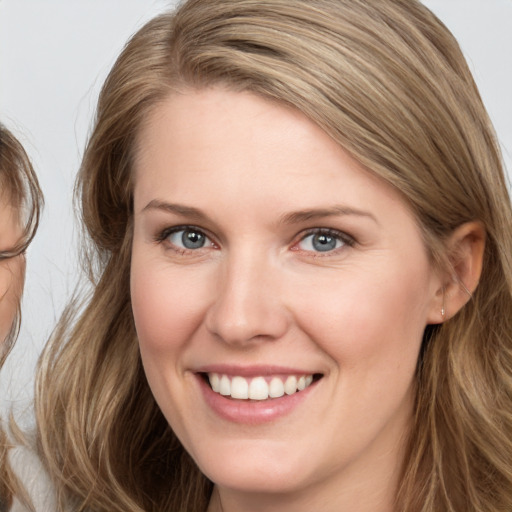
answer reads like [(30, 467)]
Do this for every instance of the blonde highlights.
[(388, 82)]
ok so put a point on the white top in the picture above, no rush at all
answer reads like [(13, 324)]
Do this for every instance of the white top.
[(31, 474)]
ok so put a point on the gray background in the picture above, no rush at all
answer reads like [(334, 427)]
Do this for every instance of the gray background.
[(54, 56)]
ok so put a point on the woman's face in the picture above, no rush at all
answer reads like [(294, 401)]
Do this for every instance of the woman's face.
[(265, 260), (11, 270)]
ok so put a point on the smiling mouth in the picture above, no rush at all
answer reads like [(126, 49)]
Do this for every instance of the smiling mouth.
[(258, 388)]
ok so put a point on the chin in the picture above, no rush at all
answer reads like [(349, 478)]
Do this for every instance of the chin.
[(262, 470), (258, 480)]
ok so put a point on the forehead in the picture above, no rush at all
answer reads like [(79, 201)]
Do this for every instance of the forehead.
[(247, 148), (200, 124), (217, 117)]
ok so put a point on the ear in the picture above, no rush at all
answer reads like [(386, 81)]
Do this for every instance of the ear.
[(465, 252)]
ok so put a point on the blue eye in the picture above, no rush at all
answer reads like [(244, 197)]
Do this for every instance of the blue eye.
[(321, 242), (189, 238)]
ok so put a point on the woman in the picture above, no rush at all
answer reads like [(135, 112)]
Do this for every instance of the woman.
[(20, 206), (300, 240)]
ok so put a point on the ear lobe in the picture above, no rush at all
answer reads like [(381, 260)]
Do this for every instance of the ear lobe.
[(465, 251)]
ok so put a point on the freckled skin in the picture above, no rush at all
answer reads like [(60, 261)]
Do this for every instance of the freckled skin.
[(259, 292)]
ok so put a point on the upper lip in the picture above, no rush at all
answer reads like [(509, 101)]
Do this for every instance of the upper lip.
[(253, 370)]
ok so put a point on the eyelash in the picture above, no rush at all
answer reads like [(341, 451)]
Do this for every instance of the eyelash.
[(346, 240), (167, 232)]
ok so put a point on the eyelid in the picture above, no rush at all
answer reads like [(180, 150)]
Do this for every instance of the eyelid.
[(346, 239), (163, 235)]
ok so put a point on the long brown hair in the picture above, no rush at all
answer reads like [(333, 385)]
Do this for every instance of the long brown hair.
[(18, 187), (388, 82)]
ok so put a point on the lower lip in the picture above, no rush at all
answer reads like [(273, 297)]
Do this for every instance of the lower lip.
[(252, 412)]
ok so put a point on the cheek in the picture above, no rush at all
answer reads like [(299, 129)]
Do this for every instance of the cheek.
[(166, 306), (363, 321)]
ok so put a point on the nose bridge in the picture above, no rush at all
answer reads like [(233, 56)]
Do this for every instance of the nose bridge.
[(247, 304)]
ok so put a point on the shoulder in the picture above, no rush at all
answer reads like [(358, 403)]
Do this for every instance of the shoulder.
[(31, 474)]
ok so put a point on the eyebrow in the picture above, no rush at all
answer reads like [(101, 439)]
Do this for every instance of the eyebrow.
[(288, 218), (178, 209), (320, 213)]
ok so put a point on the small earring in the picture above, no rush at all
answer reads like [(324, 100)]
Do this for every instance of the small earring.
[(442, 312)]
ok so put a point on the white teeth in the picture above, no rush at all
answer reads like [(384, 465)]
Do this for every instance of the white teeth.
[(239, 388), (258, 388), (290, 386), (225, 386), (215, 382), (276, 388)]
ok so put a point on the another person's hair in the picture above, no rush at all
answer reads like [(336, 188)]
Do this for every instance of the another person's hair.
[(388, 82), (20, 189)]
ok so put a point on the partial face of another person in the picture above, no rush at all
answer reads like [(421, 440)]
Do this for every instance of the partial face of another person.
[(12, 269), (280, 293)]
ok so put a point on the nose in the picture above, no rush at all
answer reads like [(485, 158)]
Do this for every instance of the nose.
[(248, 304)]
